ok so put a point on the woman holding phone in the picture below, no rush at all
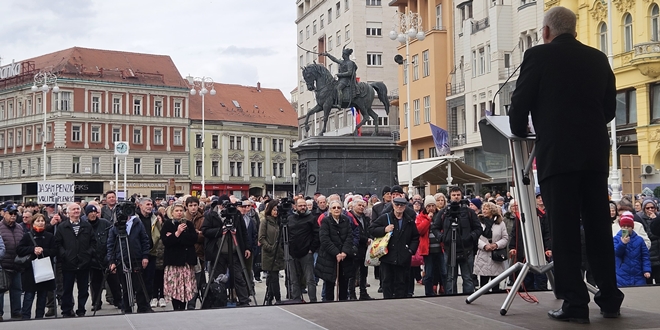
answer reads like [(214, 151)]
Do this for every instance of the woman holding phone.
[(179, 237)]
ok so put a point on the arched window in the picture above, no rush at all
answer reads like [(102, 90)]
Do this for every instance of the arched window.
[(529, 42), (655, 14), (602, 37), (627, 33)]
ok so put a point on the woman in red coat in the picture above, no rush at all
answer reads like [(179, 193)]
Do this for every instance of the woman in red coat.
[(429, 248)]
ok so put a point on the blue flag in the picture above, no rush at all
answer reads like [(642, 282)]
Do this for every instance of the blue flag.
[(441, 139)]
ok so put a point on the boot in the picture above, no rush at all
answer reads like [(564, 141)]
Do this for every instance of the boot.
[(365, 296)]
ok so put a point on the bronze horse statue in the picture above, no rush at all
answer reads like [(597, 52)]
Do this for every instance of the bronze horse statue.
[(319, 79)]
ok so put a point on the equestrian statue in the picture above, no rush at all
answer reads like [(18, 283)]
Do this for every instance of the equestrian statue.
[(343, 92)]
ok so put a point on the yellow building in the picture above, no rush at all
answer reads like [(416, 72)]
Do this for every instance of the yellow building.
[(430, 64), (636, 64)]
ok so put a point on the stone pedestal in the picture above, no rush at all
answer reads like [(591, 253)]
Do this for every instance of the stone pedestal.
[(339, 164)]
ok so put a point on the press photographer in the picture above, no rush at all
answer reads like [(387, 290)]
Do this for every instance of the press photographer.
[(128, 252), (460, 219), (223, 218)]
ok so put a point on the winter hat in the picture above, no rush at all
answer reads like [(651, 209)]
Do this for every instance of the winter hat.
[(397, 189), (91, 208), (385, 190), (646, 202), (477, 202), (627, 219), (428, 200)]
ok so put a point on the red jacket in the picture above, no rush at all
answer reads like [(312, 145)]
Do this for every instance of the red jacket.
[(423, 223)]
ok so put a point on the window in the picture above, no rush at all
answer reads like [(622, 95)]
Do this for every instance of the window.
[(338, 38), (420, 154), (158, 108), (214, 141), (158, 136), (300, 36), (338, 9), (2, 172), (235, 169), (177, 167), (29, 167), (116, 134), (198, 168), (63, 101), (2, 111), (253, 143), (281, 146), (198, 141), (275, 170), (438, 17), (405, 115), (39, 108), (177, 137), (75, 133), (330, 43), (214, 168), (405, 72), (39, 135), (177, 109), (374, 59), (426, 70), (137, 106), (373, 2), (308, 57), (76, 165), (2, 140), (137, 166), (626, 107), (239, 168), (49, 165), (302, 61), (259, 144), (474, 63), (433, 152), (260, 169), (415, 63), (28, 106), (96, 134), (346, 5), (49, 133), (416, 111), (116, 105), (374, 31), (602, 37), (476, 117), (314, 27), (274, 145), (294, 168), (347, 35), (281, 169), (427, 109), (655, 25), (329, 15), (96, 165), (158, 166), (253, 169), (28, 136), (19, 137), (11, 111), (96, 104), (482, 61), (627, 33), (137, 135), (307, 32), (235, 143)]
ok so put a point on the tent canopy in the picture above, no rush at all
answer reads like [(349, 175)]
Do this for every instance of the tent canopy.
[(434, 171)]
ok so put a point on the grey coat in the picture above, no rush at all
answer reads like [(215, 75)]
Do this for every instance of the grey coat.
[(483, 262)]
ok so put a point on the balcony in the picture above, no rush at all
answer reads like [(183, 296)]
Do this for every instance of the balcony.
[(458, 140), (455, 88), (505, 73), (480, 25), (646, 58)]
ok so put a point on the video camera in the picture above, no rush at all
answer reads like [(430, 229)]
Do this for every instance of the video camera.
[(124, 211), (228, 212), (284, 208), (454, 209)]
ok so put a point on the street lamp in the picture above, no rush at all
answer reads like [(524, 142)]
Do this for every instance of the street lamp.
[(408, 26), (43, 81), (273, 177), (202, 84), (293, 179), (614, 175)]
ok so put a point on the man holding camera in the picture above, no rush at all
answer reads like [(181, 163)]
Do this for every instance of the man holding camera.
[(303, 243), (130, 236), (223, 219), (468, 231)]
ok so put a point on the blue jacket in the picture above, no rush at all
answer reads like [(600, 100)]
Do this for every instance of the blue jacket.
[(632, 260), (138, 243)]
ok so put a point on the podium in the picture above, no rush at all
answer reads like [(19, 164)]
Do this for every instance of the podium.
[(496, 137)]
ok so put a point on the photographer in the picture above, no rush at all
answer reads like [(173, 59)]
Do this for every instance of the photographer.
[(303, 243), (468, 232), (138, 243), (225, 215)]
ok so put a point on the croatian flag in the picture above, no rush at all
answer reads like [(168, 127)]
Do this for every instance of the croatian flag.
[(441, 139), (358, 119)]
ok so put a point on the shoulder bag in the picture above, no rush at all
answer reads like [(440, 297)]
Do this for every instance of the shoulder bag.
[(24, 260), (379, 245)]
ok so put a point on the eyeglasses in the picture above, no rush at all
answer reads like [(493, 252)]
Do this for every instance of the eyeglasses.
[(336, 207), (650, 207), (399, 204)]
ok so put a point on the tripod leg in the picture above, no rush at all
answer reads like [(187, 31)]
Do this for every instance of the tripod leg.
[(493, 283), (96, 296), (244, 268), (212, 273), (514, 289)]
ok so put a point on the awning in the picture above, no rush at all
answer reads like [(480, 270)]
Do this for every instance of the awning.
[(434, 171)]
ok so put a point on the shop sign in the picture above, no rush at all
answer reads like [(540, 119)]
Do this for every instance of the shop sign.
[(10, 70)]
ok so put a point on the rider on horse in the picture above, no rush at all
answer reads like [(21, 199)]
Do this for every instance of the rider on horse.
[(346, 74)]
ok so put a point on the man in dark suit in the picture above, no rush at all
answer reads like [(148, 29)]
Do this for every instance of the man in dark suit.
[(569, 89)]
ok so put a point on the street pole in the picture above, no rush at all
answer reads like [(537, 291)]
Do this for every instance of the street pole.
[(45, 78), (273, 177), (293, 179), (614, 175), (125, 169), (117, 173), (202, 84)]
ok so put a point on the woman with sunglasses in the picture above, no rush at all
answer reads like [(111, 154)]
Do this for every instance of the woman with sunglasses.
[(179, 237), (335, 260)]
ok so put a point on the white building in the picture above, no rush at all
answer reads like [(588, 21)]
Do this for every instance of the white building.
[(328, 26), (489, 40)]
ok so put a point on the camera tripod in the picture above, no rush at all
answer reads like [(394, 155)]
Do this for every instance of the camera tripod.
[(229, 228), (284, 233)]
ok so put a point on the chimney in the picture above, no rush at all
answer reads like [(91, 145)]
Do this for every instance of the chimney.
[(258, 86)]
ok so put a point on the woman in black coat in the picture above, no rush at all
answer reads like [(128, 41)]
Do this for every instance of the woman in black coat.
[(179, 237), (45, 247), (336, 249)]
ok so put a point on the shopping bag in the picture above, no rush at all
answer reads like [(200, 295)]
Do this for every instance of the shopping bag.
[(368, 260), (43, 270), (379, 246)]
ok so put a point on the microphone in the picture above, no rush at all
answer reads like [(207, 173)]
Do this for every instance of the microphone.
[(492, 104)]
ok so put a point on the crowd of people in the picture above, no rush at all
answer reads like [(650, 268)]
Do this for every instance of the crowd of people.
[(173, 247)]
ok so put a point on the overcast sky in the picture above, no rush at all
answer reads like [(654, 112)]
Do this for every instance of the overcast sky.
[(231, 41)]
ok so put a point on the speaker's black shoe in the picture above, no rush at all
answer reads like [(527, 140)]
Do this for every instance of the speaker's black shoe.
[(560, 315), (610, 315)]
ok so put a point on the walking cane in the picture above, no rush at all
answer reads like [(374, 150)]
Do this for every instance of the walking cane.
[(337, 283)]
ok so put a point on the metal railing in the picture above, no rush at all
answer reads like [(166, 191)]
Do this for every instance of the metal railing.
[(453, 89), (458, 140)]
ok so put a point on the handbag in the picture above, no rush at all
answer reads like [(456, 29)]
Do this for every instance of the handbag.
[(42, 269), (24, 260), (417, 259), (368, 259), (379, 245), (5, 281), (499, 255)]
